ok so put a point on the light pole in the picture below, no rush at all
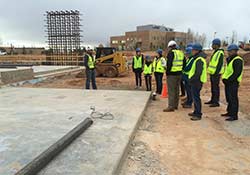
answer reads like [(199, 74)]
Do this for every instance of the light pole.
[(227, 40), (215, 34)]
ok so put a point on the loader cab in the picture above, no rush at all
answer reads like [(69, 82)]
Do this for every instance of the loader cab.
[(105, 51)]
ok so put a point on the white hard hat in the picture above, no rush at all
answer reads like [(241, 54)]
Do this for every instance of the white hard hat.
[(172, 43), (89, 48)]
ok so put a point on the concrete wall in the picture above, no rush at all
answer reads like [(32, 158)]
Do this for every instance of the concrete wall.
[(15, 75), (26, 50)]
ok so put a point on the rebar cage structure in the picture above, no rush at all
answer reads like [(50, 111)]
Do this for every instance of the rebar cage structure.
[(64, 37)]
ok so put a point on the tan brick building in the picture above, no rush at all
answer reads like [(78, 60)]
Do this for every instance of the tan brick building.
[(148, 37)]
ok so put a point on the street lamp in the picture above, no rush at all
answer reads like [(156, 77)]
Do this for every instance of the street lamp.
[(215, 34)]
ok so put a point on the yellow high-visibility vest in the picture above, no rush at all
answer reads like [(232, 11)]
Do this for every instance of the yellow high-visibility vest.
[(147, 69), (187, 64), (203, 77), (214, 63), (137, 62), (157, 65), (229, 69), (91, 62), (177, 61)]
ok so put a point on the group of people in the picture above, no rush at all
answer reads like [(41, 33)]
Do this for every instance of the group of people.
[(190, 69)]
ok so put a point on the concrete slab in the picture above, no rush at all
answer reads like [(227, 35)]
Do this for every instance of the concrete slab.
[(15, 75), (33, 119), (39, 70)]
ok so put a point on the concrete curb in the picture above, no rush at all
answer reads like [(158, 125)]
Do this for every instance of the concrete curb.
[(117, 170)]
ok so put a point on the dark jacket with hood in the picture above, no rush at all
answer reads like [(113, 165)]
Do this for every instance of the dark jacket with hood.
[(238, 67), (220, 63), (86, 60), (195, 80)]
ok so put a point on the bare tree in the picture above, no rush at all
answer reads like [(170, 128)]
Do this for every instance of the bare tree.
[(1, 41), (234, 37), (190, 36), (203, 39), (245, 40)]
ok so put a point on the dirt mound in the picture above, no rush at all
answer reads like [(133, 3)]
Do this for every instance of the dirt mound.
[(246, 58)]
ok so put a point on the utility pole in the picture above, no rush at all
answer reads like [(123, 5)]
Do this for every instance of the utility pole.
[(215, 34)]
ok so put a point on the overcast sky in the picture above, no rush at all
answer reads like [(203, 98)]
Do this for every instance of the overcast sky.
[(22, 21)]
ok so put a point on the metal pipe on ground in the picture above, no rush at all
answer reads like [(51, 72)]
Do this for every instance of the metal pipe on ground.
[(13, 65), (44, 158)]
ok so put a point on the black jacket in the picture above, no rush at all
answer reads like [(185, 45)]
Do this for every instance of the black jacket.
[(238, 67), (220, 63), (170, 58), (86, 59), (140, 69), (195, 80)]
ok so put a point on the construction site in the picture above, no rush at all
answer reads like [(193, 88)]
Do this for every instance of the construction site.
[(51, 125)]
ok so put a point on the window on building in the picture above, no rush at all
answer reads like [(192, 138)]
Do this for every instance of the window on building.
[(123, 41), (114, 42)]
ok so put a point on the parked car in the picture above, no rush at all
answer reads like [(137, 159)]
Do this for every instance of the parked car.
[(3, 53)]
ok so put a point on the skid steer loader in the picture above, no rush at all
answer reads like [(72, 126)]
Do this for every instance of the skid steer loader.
[(110, 63)]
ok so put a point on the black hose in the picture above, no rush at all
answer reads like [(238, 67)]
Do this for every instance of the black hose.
[(44, 158)]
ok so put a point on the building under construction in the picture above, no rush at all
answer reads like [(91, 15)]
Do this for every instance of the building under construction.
[(64, 37)]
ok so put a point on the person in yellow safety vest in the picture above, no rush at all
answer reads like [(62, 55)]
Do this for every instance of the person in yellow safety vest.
[(231, 79), (215, 69), (148, 70), (89, 63), (159, 66), (137, 66), (175, 60), (190, 60), (197, 76)]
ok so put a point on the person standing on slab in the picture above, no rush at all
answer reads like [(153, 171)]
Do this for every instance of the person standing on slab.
[(215, 69), (137, 66), (159, 65), (89, 63), (197, 76), (231, 79), (148, 70), (175, 59)]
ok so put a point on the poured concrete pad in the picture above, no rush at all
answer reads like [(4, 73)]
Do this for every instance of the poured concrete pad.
[(33, 119)]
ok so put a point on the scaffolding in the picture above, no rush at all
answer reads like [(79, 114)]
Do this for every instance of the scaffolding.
[(64, 37)]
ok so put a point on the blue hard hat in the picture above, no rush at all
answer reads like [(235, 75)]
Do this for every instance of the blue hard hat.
[(138, 50), (159, 51), (148, 57), (188, 50), (216, 42), (197, 46), (232, 47), (189, 45)]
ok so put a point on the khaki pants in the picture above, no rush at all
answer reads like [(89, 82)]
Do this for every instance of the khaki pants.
[(173, 82)]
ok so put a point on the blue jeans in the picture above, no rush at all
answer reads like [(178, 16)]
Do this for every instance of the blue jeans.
[(197, 100), (189, 92), (158, 79), (90, 76)]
